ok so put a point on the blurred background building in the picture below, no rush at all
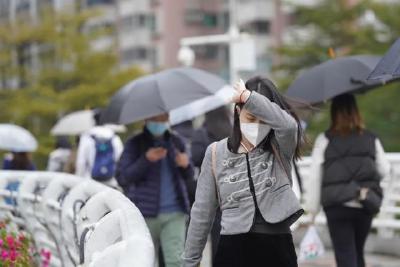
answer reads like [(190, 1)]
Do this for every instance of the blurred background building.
[(147, 32)]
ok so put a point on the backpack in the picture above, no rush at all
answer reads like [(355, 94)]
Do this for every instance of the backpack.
[(104, 164)]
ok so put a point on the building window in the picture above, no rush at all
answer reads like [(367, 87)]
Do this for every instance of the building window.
[(201, 18), (4, 9), (138, 21), (258, 27), (99, 2), (262, 26), (152, 23), (210, 20), (137, 53), (206, 52)]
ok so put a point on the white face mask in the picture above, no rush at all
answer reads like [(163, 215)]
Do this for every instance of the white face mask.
[(255, 132)]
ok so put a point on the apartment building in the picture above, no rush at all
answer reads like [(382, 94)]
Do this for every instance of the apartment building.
[(147, 33)]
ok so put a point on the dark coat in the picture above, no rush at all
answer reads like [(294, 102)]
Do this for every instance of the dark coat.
[(349, 165), (140, 178)]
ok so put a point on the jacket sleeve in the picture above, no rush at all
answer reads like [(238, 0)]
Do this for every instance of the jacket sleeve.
[(85, 149), (313, 184), (118, 147), (188, 172), (381, 160), (202, 214), (133, 165), (284, 125)]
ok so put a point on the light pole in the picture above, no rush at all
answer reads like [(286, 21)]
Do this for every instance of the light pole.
[(186, 56), (231, 38)]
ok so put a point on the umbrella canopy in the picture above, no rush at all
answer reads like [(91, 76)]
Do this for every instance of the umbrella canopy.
[(74, 123), (16, 139), (334, 77), (79, 122), (201, 106), (165, 92), (388, 69)]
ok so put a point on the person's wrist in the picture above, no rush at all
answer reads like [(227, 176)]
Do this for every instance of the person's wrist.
[(244, 96)]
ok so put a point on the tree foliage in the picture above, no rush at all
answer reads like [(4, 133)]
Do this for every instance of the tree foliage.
[(368, 27), (70, 75)]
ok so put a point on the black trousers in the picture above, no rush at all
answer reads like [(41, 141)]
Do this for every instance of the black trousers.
[(349, 229), (256, 250)]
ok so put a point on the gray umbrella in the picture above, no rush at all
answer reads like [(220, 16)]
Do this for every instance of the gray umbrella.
[(334, 77), (388, 69), (160, 93)]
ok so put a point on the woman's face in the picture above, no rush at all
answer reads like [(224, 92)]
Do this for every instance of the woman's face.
[(247, 117)]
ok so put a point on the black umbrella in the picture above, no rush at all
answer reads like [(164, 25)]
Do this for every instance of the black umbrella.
[(161, 93), (112, 112), (334, 77), (388, 69)]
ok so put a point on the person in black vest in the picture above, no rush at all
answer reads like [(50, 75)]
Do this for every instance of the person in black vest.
[(348, 163)]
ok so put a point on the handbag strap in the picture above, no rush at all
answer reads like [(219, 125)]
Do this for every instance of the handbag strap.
[(214, 168)]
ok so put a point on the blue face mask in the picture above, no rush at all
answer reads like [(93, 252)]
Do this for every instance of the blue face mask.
[(157, 128)]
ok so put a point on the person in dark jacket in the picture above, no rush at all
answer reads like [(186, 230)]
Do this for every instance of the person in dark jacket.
[(152, 172), (20, 161), (348, 163)]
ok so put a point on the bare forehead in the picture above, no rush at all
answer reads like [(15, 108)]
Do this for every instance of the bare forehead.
[(160, 118)]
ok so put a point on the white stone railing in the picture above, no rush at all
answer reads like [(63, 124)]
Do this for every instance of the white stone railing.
[(387, 222), (81, 222)]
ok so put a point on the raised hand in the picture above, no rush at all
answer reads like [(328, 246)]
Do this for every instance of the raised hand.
[(241, 93)]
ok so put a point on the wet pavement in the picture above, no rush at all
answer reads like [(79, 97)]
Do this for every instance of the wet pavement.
[(372, 261)]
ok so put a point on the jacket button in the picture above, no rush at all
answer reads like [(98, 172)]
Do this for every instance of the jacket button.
[(268, 183), (230, 164), (233, 179), (264, 165)]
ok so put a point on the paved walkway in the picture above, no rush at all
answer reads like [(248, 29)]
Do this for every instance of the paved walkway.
[(372, 261)]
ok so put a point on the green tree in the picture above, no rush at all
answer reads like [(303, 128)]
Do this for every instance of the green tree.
[(71, 75), (368, 27)]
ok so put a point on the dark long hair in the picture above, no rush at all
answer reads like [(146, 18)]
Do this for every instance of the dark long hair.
[(21, 161), (266, 88), (218, 124), (345, 116)]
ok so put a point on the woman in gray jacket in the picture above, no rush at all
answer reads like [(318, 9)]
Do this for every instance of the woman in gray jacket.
[(247, 176)]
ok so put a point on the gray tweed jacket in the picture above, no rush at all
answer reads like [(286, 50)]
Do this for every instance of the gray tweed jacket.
[(230, 190)]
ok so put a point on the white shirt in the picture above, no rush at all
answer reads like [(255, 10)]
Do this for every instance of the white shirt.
[(57, 159), (313, 184), (87, 149)]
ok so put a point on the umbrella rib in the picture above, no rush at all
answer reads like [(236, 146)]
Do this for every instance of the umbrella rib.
[(192, 80), (164, 107)]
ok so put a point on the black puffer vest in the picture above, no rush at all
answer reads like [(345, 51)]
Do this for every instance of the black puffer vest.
[(349, 165)]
